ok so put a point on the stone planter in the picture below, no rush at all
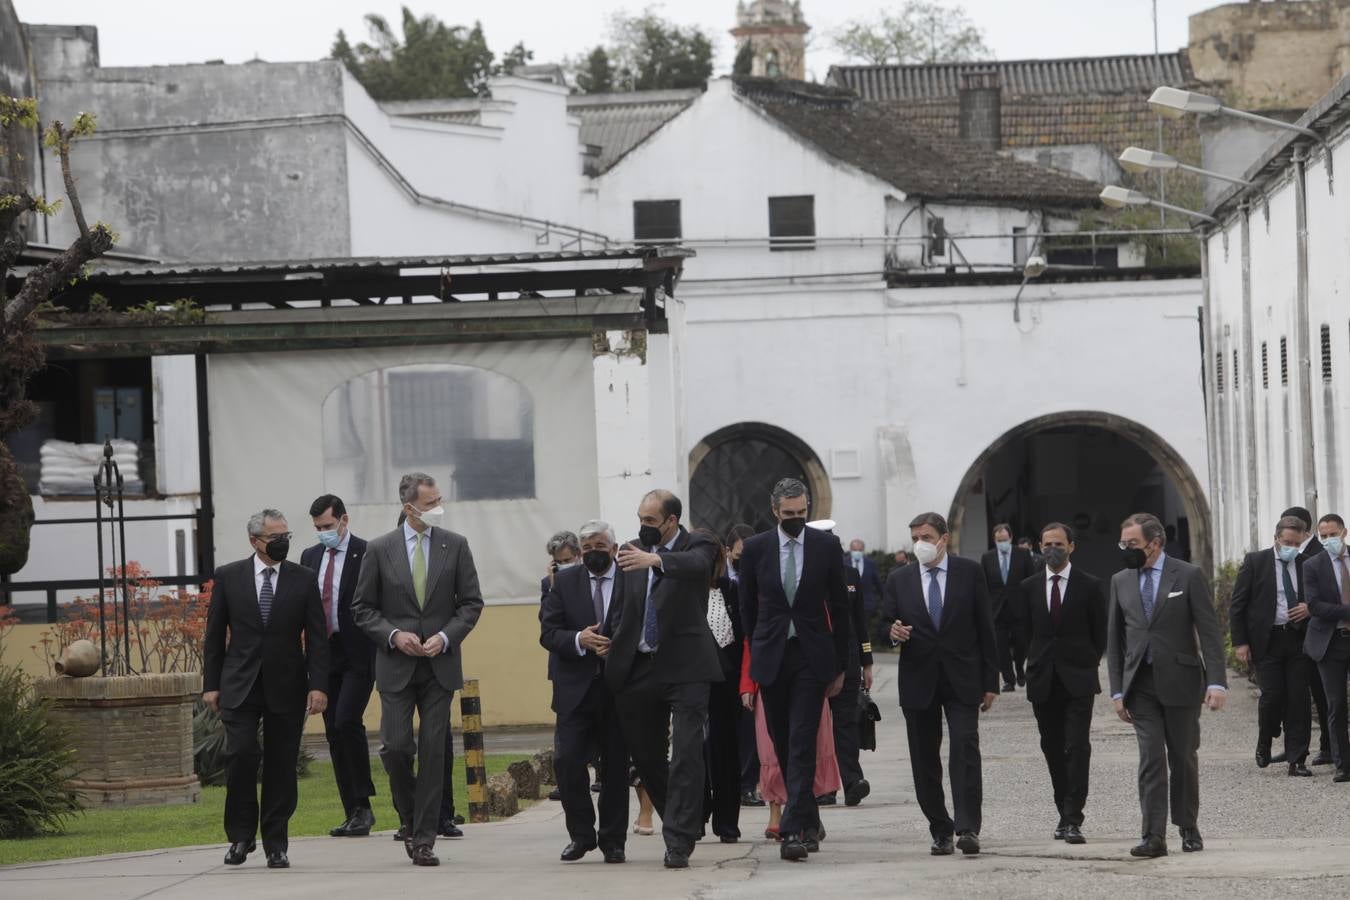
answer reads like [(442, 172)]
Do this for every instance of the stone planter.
[(132, 736)]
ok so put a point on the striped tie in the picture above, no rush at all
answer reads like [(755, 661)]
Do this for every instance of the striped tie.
[(265, 595)]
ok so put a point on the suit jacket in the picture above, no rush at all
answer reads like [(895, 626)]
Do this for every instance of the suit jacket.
[(1313, 549), (567, 610), (1251, 614), (869, 582), (1071, 651), (819, 611), (1323, 597), (350, 645), (544, 588), (1183, 636), (962, 649), (274, 653), (1009, 603), (385, 601), (857, 614), (686, 652)]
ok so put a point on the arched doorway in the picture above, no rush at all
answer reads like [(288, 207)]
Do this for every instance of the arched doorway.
[(1090, 470), (732, 471)]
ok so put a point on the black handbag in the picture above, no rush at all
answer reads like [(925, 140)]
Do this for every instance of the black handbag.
[(868, 717)]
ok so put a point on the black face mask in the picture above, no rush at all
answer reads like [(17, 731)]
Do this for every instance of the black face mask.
[(1056, 557), (793, 527), (649, 536), (1133, 557), (597, 561), (277, 548)]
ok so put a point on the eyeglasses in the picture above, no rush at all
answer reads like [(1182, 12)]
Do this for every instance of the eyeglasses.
[(1126, 545), (272, 537)]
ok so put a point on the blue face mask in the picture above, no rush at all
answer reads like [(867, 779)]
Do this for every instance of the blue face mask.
[(857, 555), (1003, 546), (1287, 554), (1334, 545), (330, 539)]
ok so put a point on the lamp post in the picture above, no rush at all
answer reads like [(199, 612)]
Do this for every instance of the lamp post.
[(1139, 161), (1118, 197), (1034, 268)]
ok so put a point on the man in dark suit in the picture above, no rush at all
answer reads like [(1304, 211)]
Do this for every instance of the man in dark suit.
[(272, 669), (1309, 549), (661, 659), (351, 662), (576, 621), (563, 553), (1067, 612), (869, 584), (794, 606), (1005, 568), (1268, 622), (939, 610), (1326, 584), (846, 706), (417, 599), (1165, 658)]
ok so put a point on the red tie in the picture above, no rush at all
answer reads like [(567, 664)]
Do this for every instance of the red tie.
[(1054, 600), (328, 591)]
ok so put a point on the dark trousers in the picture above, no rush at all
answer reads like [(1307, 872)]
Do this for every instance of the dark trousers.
[(722, 798), (1333, 667), (1283, 674), (344, 726), (447, 813), (1319, 696), (595, 720), (277, 753), (792, 706), (651, 710), (417, 798), (1011, 645), (923, 727), (1065, 724), (745, 735), (845, 708), (1169, 766)]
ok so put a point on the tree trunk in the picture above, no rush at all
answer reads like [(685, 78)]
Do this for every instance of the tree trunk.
[(16, 515)]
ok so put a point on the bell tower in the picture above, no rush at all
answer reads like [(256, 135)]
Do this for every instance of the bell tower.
[(776, 33)]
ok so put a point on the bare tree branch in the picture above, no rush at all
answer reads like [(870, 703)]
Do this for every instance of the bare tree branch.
[(43, 281), (64, 135)]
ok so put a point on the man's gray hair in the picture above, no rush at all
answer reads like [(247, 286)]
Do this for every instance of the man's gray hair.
[(786, 489), (560, 540), (408, 485), (258, 521), (594, 527), (1149, 524)]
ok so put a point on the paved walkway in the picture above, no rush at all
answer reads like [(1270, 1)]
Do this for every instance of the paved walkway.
[(1266, 835)]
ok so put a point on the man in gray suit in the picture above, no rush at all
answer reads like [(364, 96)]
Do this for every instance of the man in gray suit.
[(418, 599), (1161, 625)]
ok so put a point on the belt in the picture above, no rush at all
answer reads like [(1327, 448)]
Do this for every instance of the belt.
[(1287, 626)]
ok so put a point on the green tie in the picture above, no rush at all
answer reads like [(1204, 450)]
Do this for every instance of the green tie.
[(420, 573), (790, 582)]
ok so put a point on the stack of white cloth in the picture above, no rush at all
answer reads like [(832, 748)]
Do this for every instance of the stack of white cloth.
[(69, 468)]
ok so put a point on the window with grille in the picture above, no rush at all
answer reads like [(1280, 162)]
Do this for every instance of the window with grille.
[(792, 217), (1237, 385), (1284, 362), (1218, 372), (1326, 353), (656, 220), (1265, 366)]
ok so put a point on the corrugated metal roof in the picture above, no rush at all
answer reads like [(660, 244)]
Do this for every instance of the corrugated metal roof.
[(1026, 77), (616, 123)]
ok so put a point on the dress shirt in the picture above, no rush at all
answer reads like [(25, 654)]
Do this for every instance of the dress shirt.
[(1281, 601), (1158, 600), (338, 560), (940, 568), (860, 564), (258, 567), (783, 538), (651, 580), (1063, 584), (606, 591), (1336, 570), (410, 544)]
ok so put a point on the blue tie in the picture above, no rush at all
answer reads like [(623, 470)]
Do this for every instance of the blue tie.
[(1146, 595), (1003, 566), (650, 632), (265, 596), (934, 598)]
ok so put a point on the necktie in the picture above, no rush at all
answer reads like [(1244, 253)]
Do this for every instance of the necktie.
[(598, 601), (1055, 601), (1290, 595), (651, 632), (419, 573), (328, 591), (934, 598), (1003, 566), (1146, 595), (265, 596), (1345, 582), (790, 583)]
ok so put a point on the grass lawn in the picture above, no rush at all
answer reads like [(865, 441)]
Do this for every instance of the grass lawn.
[(100, 831)]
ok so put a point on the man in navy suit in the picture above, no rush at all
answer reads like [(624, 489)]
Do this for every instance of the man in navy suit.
[(939, 611), (792, 590), (1326, 585), (577, 619), (351, 666)]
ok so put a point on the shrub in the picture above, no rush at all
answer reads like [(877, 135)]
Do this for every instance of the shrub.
[(36, 760), (208, 747)]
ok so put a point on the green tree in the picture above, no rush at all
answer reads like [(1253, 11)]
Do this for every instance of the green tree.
[(594, 75), (650, 53), (431, 59), (516, 57), (920, 32), (745, 59)]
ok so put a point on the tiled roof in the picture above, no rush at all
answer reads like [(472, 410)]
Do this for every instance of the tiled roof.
[(871, 137), (616, 123)]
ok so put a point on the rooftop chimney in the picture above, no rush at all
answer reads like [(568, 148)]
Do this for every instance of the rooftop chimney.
[(982, 108)]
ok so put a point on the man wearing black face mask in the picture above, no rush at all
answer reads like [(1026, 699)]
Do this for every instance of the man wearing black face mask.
[(264, 673)]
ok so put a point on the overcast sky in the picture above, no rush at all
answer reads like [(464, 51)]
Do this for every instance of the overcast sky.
[(141, 32)]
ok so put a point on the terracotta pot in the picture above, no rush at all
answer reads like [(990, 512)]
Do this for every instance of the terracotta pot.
[(79, 660)]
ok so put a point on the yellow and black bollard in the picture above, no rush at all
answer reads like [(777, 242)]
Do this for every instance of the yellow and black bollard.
[(475, 766)]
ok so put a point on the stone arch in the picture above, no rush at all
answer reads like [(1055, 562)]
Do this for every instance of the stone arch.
[(732, 470)]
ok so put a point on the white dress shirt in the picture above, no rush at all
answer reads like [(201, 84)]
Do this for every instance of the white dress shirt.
[(1063, 584), (941, 572), (783, 539), (258, 567), (337, 561), (606, 580), (410, 544), (651, 580)]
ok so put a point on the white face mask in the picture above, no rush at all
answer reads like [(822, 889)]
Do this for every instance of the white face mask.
[(432, 517), (925, 551)]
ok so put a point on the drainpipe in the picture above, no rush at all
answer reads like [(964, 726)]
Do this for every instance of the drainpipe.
[(1208, 380), (1301, 327), (1249, 384)]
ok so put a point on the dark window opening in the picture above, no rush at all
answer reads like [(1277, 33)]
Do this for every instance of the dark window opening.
[(1326, 353), (1237, 385), (656, 220), (1284, 362), (1265, 366), (937, 240), (792, 217), (1218, 372)]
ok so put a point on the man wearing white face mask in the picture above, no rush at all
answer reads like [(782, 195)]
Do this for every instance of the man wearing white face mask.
[(417, 599), (1326, 582)]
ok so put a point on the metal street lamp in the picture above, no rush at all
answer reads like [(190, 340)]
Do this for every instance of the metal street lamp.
[(1118, 197), (1139, 161), (1034, 268)]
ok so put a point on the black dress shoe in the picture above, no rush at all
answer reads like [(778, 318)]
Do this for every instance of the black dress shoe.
[(1279, 758), (595, 788), (575, 851), (676, 859), (1321, 759), (811, 842), (968, 843), (729, 838), (827, 800), (239, 852), (1151, 847), (1191, 842), (341, 830), (276, 859), (1299, 770), (856, 792), (1074, 835), (358, 825), (410, 849), (555, 794), (449, 829), (1262, 756), (942, 846), (1021, 681), (750, 798), (423, 856), (614, 855), (793, 850), (402, 833), (1060, 830), (1342, 775), (1009, 687)]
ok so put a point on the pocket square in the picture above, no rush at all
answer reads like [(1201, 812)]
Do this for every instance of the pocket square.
[(1175, 594)]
